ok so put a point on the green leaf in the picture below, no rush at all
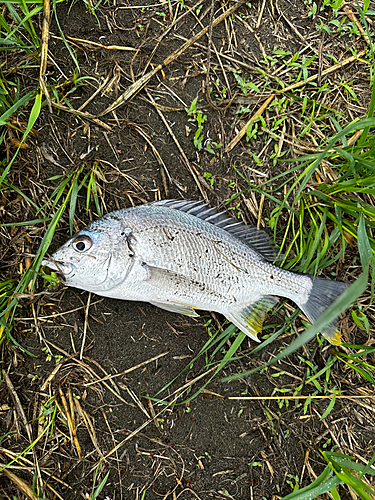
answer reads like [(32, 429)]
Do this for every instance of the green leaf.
[(73, 204), (363, 244), (310, 492), (25, 223), (14, 108), (32, 118), (329, 407), (98, 490)]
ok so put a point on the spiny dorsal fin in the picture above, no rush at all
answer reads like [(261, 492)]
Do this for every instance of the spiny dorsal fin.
[(255, 238)]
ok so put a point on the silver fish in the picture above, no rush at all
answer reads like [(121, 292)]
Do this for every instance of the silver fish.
[(181, 256)]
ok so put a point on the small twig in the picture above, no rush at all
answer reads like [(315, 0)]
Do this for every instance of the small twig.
[(136, 431), (44, 51), (22, 485), (177, 394), (128, 370), (164, 180), (85, 326), (208, 86), (262, 50), (90, 428), (18, 404), (22, 416), (294, 29), (242, 132), (29, 466), (99, 89), (320, 62), (170, 27), (136, 400), (59, 314), (107, 47), (155, 151), (71, 426), (260, 14), (92, 372), (348, 11), (327, 71), (274, 398), (260, 210), (81, 114), (225, 56), (50, 377)]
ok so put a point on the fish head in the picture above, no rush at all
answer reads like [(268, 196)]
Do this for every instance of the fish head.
[(93, 260)]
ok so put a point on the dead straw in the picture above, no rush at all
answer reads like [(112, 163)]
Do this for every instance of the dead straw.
[(107, 47), (22, 485), (44, 50), (70, 422)]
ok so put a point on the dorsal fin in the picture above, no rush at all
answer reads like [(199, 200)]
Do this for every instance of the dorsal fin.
[(255, 238)]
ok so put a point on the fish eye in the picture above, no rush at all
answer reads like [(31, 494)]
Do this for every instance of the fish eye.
[(82, 243)]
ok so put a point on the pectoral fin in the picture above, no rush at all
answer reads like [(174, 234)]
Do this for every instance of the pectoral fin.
[(164, 279), (250, 319), (169, 281), (176, 308)]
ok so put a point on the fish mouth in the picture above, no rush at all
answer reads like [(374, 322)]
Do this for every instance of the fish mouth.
[(63, 268)]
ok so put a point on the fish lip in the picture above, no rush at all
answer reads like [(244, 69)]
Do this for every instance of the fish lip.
[(64, 268), (68, 270)]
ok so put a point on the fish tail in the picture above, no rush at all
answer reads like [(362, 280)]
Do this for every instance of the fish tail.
[(323, 293)]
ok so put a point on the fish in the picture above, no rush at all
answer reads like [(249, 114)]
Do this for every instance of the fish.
[(184, 256)]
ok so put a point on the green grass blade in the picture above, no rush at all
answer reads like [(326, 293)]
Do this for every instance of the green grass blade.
[(73, 204), (26, 98), (363, 244), (368, 469), (352, 127), (25, 223), (210, 343), (98, 490), (228, 357), (32, 118), (72, 55), (330, 406), (320, 486)]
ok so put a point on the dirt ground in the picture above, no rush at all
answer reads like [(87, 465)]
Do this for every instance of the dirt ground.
[(211, 446)]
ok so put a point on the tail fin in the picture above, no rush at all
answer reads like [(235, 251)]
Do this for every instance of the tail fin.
[(323, 294)]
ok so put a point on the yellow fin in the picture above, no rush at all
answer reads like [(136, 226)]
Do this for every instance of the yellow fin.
[(334, 337), (250, 319)]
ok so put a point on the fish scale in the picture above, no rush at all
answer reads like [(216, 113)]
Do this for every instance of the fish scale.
[(182, 256)]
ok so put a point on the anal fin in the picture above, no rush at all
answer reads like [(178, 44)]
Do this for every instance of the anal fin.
[(250, 319), (176, 308)]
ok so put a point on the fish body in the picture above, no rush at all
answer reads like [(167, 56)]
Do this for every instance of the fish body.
[(182, 256)]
